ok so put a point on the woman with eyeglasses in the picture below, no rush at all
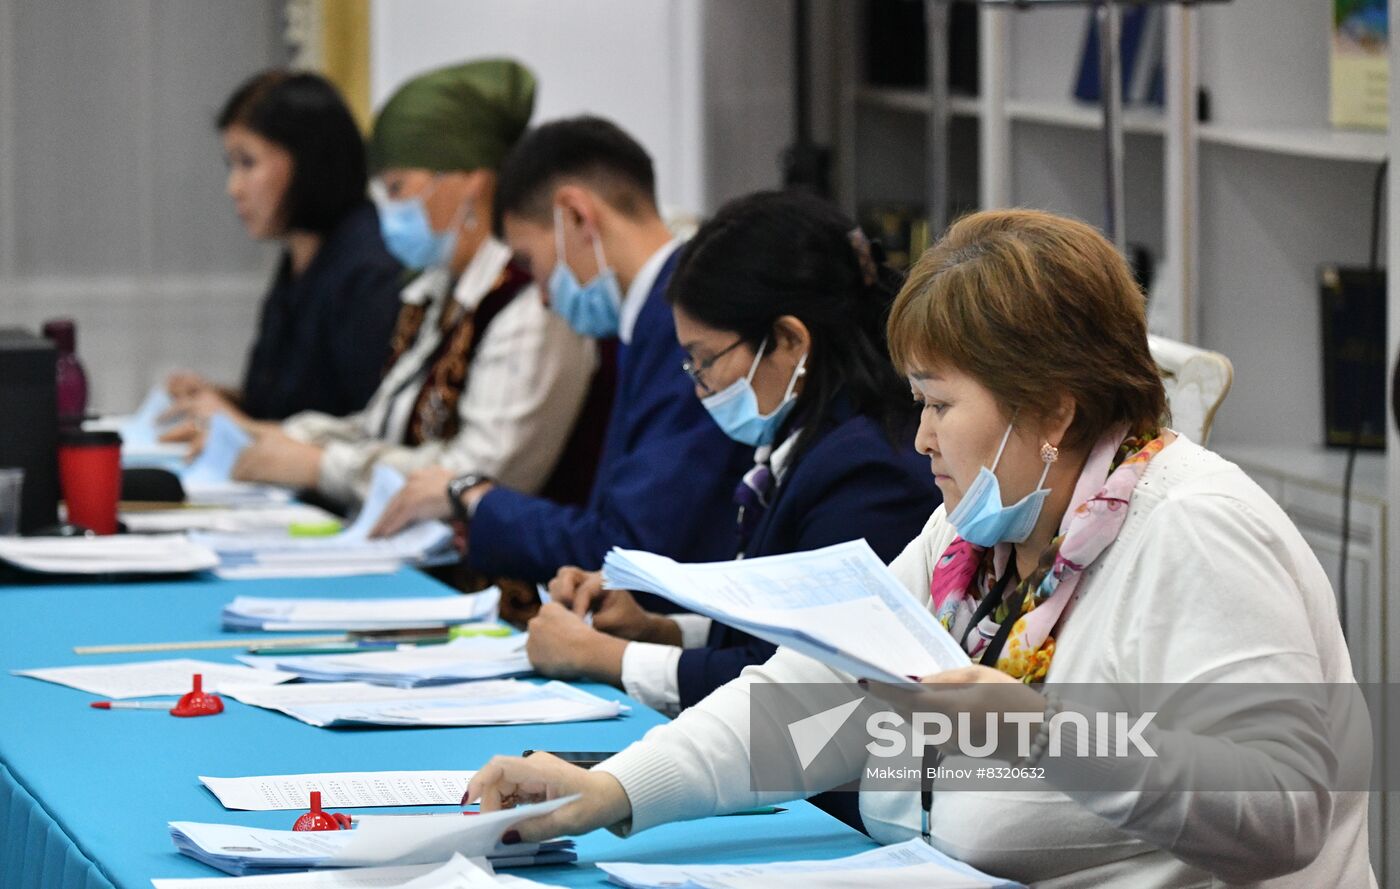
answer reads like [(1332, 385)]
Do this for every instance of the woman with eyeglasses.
[(781, 309)]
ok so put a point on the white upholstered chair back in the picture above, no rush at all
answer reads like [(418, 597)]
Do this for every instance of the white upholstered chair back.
[(1197, 381)]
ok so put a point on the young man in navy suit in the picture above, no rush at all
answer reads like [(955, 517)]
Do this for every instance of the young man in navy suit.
[(577, 204)]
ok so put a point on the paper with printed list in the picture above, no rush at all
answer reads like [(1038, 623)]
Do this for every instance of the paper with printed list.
[(340, 790), (913, 864), (457, 873), (839, 605), (145, 678)]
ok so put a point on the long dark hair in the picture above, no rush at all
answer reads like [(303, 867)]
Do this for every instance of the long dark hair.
[(304, 114), (789, 253)]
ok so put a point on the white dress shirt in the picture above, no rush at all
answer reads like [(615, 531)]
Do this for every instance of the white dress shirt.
[(651, 672), (640, 289), (527, 382)]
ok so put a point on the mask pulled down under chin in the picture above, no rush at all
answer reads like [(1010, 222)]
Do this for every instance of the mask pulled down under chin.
[(982, 520)]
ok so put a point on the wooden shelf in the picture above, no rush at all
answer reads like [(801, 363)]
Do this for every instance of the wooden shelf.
[(914, 101), (1315, 142), (1138, 121)]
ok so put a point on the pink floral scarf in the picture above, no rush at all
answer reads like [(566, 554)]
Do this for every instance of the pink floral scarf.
[(966, 572)]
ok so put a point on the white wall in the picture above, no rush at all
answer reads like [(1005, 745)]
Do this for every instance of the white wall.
[(111, 183), (636, 62)]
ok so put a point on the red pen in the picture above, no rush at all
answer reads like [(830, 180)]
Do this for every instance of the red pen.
[(131, 705)]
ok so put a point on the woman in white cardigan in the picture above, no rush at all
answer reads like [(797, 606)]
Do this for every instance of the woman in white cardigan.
[(1080, 541)]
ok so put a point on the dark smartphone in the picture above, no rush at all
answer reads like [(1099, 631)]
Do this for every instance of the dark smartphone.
[(582, 760)]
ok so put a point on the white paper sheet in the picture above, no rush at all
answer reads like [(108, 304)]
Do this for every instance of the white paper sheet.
[(376, 840), (253, 612), (489, 702), (252, 520), (913, 864), (411, 666), (457, 873), (116, 554), (340, 790), (839, 604), (150, 678), (223, 442), (268, 551)]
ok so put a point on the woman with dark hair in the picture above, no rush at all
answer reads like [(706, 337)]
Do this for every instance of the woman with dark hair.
[(781, 308), (297, 175)]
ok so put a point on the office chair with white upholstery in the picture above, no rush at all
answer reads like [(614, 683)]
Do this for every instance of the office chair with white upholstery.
[(1197, 381)]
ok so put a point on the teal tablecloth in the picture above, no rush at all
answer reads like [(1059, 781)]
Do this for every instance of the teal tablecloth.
[(85, 794)]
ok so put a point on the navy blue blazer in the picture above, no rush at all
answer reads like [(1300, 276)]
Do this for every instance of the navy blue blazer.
[(851, 483), (324, 335), (665, 481)]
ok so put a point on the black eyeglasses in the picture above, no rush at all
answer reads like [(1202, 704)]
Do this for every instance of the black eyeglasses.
[(696, 370)]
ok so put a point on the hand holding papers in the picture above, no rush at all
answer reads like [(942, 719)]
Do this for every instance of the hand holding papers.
[(461, 660), (910, 865), (490, 702), (376, 840), (301, 615), (340, 790), (839, 605), (149, 678)]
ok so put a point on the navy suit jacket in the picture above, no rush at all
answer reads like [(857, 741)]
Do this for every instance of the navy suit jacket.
[(665, 482), (324, 337), (851, 483)]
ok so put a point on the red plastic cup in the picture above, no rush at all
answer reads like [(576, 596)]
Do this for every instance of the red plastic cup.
[(90, 473)]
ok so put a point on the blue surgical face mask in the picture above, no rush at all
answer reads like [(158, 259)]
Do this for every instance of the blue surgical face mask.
[(593, 309), (409, 236), (735, 407), (981, 519)]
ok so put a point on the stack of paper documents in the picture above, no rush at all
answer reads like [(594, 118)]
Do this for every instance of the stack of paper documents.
[(411, 666), (457, 873), (376, 840), (276, 518), (490, 702), (301, 615), (116, 554), (140, 679), (839, 605), (350, 551), (910, 865), (340, 790)]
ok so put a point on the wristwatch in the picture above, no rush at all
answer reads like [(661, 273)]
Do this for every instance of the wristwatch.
[(458, 487)]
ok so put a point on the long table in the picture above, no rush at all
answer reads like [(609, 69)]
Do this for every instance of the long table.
[(85, 794)]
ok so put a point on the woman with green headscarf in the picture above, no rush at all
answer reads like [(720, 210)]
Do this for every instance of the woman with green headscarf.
[(484, 378)]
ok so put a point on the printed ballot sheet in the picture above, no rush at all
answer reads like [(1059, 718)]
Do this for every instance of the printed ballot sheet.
[(340, 790), (376, 840), (146, 678), (839, 605), (457, 873), (909, 865), (411, 666), (489, 702)]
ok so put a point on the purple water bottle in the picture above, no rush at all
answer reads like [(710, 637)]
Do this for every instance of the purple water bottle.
[(72, 381)]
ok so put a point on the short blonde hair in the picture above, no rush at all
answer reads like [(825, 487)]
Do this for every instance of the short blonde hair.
[(1033, 306)]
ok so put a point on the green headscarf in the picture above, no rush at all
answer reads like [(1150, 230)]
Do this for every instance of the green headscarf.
[(465, 117)]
